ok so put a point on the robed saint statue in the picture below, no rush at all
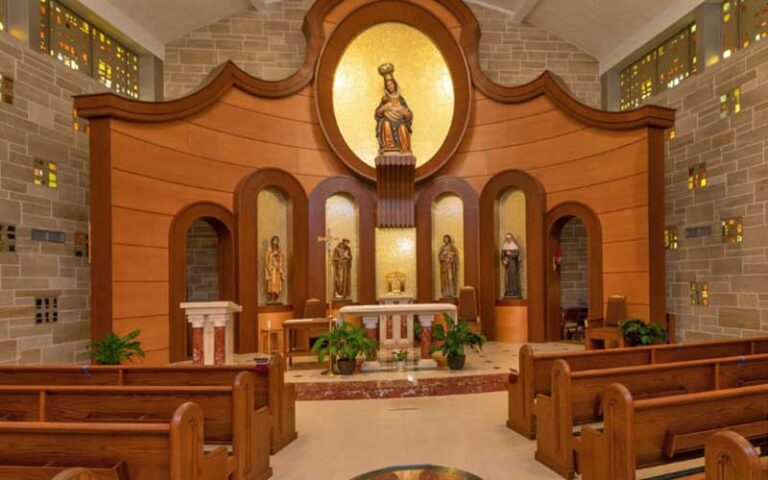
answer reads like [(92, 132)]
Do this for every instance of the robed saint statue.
[(510, 262), (449, 268), (342, 270), (274, 270), (394, 120)]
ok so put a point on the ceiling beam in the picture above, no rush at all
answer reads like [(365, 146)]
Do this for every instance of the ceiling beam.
[(522, 12)]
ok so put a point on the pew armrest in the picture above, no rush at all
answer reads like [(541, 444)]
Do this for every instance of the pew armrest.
[(216, 464)]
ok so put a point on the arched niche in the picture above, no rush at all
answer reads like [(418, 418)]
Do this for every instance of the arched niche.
[(251, 254), (425, 234), (557, 218), (534, 253), (365, 260), (447, 221), (274, 214), (222, 222)]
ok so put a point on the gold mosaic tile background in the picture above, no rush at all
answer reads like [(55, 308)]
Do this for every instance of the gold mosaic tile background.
[(395, 251), (341, 217), (447, 218), (422, 76), (274, 218), (510, 212)]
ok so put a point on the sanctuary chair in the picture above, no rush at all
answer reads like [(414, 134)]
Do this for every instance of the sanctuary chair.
[(604, 331), (468, 308), (313, 323)]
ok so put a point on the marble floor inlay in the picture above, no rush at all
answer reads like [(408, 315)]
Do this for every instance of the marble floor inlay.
[(418, 472)]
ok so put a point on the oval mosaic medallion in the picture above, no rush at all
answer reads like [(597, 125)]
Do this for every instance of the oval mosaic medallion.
[(417, 472)]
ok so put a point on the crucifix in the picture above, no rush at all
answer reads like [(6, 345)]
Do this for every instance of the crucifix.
[(328, 239)]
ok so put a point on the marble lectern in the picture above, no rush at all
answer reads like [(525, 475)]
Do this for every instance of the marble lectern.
[(212, 331)]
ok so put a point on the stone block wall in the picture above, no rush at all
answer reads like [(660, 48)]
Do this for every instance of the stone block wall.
[(733, 148), (269, 44), (202, 263), (38, 126), (574, 289)]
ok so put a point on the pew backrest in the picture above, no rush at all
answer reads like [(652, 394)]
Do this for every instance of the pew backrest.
[(534, 371), (172, 450)]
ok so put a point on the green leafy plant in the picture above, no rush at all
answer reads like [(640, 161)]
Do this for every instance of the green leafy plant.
[(453, 340), (400, 355), (114, 349), (637, 332), (345, 342)]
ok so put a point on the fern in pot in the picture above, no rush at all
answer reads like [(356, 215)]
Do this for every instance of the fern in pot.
[(346, 343), (114, 349), (637, 332), (453, 339)]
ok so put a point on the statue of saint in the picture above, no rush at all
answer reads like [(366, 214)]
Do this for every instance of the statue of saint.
[(342, 270), (274, 269), (449, 268), (510, 261), (393, 117)]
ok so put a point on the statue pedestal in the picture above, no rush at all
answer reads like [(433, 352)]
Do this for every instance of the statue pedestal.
[(395, 184), (212, 331)]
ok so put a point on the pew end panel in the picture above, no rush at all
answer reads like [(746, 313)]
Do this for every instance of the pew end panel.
[(554, 423), (65, 471), (521, 394), (730, 456)]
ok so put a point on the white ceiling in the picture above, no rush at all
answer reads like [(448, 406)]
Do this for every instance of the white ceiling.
[(609, 30)]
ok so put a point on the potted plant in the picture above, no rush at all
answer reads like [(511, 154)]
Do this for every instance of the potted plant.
[(346, 343), (454, 339), (114, 350), (637, 332), (400, 357)]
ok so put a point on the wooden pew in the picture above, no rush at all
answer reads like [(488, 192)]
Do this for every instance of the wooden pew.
[(229, 416), (75, 474), (56, 471), (576, 397), (151, 451), (270, 389), (730, 456), (643, 433), (533, 375)]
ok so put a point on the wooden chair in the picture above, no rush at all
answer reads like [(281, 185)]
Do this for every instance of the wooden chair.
[(569, 323), (313, 324), (604, 332), (468, 308)]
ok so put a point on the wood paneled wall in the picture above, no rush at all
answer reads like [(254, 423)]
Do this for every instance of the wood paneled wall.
[(150, 161)]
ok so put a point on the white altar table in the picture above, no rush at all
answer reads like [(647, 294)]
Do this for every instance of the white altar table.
[(374, 317)]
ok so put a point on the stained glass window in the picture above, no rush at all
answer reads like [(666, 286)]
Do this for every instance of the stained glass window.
[(700, 294), (7, 237), (81, 244), (46, 309), (733, 230), (662, 68), (697, 176), (6, 89), (744, 23), (46, 173), (730, 102), (79, 124), (670, 238), (73, 40)]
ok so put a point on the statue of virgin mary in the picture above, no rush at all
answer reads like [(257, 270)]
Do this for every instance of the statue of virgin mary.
[(394, 120)]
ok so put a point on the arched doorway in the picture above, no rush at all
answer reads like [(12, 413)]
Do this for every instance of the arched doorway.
[(201, 266), (575, 270)]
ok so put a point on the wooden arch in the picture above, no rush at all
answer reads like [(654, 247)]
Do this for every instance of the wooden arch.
[(366, 228), (556, 220), (246, 211), (535, 211), (427, 196), (223, 223)]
